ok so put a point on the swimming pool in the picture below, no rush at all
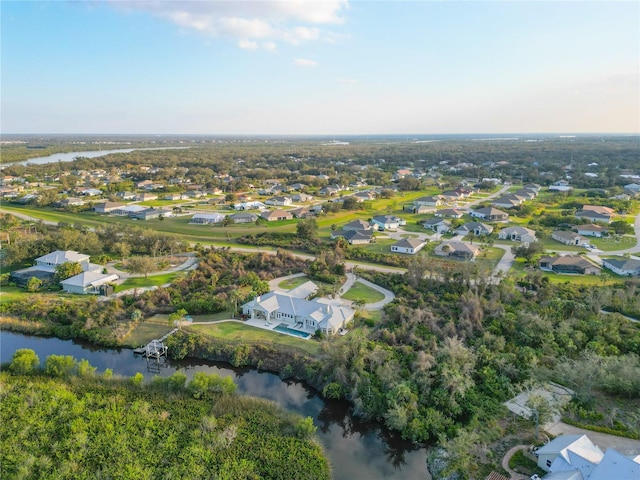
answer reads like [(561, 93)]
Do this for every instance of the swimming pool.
[(283, 328)]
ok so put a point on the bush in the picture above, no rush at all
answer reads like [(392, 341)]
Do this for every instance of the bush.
[(24, 361)]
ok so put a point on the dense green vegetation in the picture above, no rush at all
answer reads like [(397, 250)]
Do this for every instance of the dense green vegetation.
[(69, 423)]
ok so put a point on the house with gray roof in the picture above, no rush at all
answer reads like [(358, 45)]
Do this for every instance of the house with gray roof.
[(408, 245), (627, 267), (477, 228), (87, 282), (569, 264), (283, 310), (569, 238), (438, 225), (459, 250), (518, 234), (358, 225), (491, 214), (243, 217), (354, 237)]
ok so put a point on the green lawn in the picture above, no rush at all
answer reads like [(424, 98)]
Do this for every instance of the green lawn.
[(235, 332), (361, 291), (153, 281), (150, 329), (293, 282), (382, 245), (10, 294)]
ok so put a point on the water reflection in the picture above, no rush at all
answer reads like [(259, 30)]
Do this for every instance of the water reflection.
[(357, 449)]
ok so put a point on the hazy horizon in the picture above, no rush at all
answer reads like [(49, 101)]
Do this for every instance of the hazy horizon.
[(329, 68)]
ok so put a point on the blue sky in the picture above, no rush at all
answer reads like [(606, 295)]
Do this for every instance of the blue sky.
[(327, 67)]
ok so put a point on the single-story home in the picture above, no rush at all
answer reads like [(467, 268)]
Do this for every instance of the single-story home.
[(508, 201), (243, 217), (387, 222), (306, 316), (518, 234), (301, 197), (438, 225), (491, 214), (569, 238), (206, 218), (274, 215), (459, 250), (107, 207), (249, 206), (569, 264), (477, 228), (279, 201), (126, 195), (449, 213), (303, 212), (145, 197), (408, 245), (560, 186), (433, 201), (623, 266), (87, 282), (418, 209), (591, 230), (151, 213), (354, 237), (358, 225), (596, 213)]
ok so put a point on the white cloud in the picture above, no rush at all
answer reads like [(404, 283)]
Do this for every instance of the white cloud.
[(292, 21), (304, 62)]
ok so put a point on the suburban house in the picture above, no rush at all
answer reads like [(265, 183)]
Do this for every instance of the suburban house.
[(243, 217), (107, 207), (418, 208), (449, 213), (287, 311), (206, 218), (174, 196), (303, 212), (533, 187), (90, 192), (45, 266), (569, 238), (387, 222), (126, 195), (477, 228), (560, 186), (517, 234), (301, 197), (408, 245), (576, 457), (596, 213), (358, 225), (459, 250), (274, 215), (434, 201), (490, 214), (145, 197), (591, 230), (88, 282), (249, 206), (279, 201), (354, 237), (438, 225), (569, 264), (151, 213), (622, 266), (128, 210), (364, 196), (70, 202), (509, 201)]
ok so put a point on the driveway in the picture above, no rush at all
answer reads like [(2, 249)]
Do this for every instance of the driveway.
[(626, 446)]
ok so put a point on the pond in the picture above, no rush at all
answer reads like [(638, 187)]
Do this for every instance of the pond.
[(70, 156), (356, 449)]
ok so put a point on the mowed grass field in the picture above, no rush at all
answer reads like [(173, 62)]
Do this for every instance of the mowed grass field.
[(237, 332), (150, 329), (361, 291)]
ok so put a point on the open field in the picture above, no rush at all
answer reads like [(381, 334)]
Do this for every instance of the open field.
[(235, 332), (293, 282), (151, 281), (150, 329), (363, 292)]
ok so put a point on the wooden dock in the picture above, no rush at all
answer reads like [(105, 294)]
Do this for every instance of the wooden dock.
[(155, 348)]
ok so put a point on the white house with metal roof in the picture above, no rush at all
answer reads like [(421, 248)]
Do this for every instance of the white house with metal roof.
[(291, 312), (87, 282)]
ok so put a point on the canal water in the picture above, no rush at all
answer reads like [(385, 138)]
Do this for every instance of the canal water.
[(357, 450), (70, 156)]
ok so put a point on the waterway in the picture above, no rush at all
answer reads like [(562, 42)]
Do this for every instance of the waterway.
[(356, 449), (71, 156)]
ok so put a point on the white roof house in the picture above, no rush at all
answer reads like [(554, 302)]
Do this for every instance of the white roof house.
[(87, 282), (51, 260), (305, 316), (204, 218), (575, 457)]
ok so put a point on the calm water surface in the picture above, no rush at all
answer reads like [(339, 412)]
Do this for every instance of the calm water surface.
[(357, 450), (70, 156)]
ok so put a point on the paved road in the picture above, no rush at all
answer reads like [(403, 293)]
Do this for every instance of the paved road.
[(189, 264)]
